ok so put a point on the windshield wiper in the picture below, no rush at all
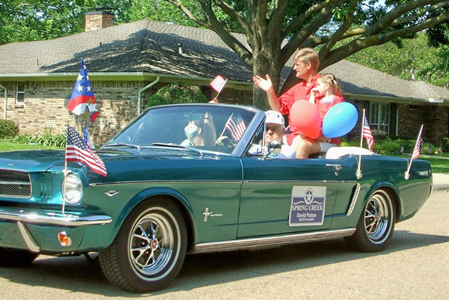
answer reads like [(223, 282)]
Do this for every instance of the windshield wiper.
[(172, 145), (122, 145), (168, 145)]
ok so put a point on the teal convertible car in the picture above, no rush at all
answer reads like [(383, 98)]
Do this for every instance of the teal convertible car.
[(181, 179)]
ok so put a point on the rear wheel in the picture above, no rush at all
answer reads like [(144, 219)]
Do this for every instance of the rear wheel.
[(11, 258), (149, 249), (376, 224)]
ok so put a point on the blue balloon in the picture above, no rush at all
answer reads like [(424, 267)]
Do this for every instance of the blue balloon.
[(339, 120)]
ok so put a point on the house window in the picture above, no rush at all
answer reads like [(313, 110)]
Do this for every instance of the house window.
[(20, 96), (379, 118)]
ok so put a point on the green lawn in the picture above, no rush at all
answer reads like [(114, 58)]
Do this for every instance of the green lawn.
[(439, 164), (14, 146)]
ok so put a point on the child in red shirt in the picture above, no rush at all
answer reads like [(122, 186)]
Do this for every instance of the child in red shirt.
[(325, 94)]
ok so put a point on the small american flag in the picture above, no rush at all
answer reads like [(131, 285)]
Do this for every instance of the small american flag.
[(218, 83), (78, 151), (236, 126), (417, 145), (367, 133)]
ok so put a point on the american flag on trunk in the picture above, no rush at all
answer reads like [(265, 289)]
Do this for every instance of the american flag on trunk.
[(218, 83), (78, 151), (367, 133), (417, 145), (415, 154), (236, 126)]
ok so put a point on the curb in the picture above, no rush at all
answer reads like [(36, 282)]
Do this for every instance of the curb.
[(439, 187), (440, 181)]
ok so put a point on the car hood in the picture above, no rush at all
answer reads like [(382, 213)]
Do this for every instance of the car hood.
[(121, 164), (31, 160)]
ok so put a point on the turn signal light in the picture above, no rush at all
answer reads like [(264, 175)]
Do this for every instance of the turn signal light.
[(64, 239)]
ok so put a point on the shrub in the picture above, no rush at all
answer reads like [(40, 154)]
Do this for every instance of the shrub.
[(46, 139), (445, 145), (177, 92), (8, 129), (407, 143), (388, 147)]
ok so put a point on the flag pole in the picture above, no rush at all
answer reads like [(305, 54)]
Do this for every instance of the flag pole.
[(65, 173), (361, 135), (407, 173), (224, 129), (358, 174)]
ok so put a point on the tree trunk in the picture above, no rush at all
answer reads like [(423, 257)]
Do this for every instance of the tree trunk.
[(289, 82), (266, 61)]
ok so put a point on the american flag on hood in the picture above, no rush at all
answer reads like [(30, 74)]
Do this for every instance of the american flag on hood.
[(78, 151), (82, 102)]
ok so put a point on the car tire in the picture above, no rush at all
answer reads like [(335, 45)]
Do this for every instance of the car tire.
[(149, 249), (376, 224), (11, 258)]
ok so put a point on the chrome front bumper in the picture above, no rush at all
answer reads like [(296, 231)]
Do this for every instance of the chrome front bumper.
[(54, 218), (58, 219)]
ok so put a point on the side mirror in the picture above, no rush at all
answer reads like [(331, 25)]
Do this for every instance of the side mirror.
[(274, 149)]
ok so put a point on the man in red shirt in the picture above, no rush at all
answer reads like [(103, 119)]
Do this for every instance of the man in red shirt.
[(306, 66)]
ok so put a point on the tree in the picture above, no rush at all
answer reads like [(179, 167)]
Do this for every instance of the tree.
[(177, 92), (412, 59), (276, 29), (38, 20)]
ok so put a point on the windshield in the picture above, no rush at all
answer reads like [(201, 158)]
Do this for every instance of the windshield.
[(207, 127)]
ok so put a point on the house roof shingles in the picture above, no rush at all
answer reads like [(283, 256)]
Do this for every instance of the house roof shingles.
[(142, 46), (152, 47)]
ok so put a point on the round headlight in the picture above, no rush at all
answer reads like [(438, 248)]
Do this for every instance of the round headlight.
[(72, 188)]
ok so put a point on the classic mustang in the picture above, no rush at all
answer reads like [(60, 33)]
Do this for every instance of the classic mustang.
[(181, 179)]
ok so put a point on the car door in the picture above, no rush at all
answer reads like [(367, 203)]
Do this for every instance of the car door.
[(290, 195)]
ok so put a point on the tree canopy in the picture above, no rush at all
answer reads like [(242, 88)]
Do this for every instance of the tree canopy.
[(36, 20), (274, 29), (413, 59)]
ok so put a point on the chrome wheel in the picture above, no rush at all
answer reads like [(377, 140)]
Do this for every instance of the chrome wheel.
[(149, 249), (378, 217), (152, 242), (376, 224)]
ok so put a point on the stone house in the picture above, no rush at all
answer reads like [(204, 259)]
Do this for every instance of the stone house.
[(128, 63)]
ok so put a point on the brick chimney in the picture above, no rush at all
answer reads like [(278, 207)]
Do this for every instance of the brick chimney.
[(98, 19)]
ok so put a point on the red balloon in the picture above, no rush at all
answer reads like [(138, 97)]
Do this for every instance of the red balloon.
[(305, 118)]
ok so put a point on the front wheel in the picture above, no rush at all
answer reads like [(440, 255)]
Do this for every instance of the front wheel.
[(376, 224), (149, 249)]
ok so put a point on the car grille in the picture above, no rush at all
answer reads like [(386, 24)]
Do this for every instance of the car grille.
[(15, 184)]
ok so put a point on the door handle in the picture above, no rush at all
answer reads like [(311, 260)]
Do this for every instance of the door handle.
[(336, 167)]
